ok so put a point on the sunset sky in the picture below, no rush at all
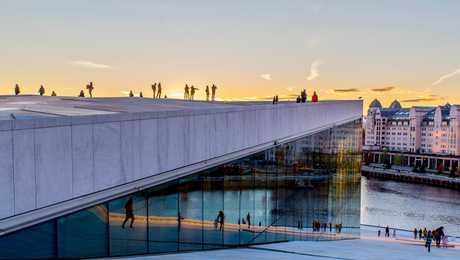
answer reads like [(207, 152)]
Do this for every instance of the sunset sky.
[(407, 50)]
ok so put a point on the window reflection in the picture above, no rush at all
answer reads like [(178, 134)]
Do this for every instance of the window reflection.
[(128, 225), (275, 195), (84, 234), (163, 212)]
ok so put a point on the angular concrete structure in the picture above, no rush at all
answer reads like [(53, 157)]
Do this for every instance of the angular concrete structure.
[(59, 155)]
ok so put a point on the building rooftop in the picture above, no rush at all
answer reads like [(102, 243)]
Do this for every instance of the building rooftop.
[(30, 111), (396, 112), (28, 107)]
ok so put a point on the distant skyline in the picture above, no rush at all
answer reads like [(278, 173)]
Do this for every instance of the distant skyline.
[(405, 50)]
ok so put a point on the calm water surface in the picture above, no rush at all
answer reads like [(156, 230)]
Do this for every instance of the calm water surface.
[(406, 205)]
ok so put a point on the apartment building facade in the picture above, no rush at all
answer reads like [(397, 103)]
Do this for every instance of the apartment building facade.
[(419, 129)]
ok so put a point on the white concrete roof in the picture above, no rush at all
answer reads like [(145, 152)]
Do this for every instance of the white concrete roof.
[(25, 112)]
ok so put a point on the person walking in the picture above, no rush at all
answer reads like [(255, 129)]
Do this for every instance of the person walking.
[(425, 233), (154, 90), (129, 212), (159, 90), (429, 239), (387, 232), (90, 88), (186, 92), (248, 218), (221, 218), (207, 93), (213, 92), (415, 233), (192, 92), (420, 234), (394, 232), (378, 233), (17, 90)]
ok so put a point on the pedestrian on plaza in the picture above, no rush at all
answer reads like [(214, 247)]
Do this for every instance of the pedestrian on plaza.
[(394, 232), (439, 236), (298, 99), (378, 233), (415, 233), (192, 92), (303, 95), (248, 218), (220, 219), (445, 241), (154, 89), (425, 233), (314, 98), (274, 101), (41, 90), (330, 227), (420, 234), (387, 232), (186, 92), (159, 90), (17, 90), (207, 92), (213, 92), (429, 238), (90, 88)]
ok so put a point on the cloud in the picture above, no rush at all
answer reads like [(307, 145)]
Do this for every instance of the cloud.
[(427, 98), (314, 70), (266, 76), (346, 90), (89, 64), (446, 76), (384, 89)]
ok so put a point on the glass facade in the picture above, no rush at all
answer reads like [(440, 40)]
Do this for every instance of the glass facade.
[(308, 189)]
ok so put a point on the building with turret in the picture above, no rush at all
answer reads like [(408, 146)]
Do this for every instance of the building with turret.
[(421, 130)]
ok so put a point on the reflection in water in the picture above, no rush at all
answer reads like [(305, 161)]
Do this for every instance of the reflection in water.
[(406, 205)]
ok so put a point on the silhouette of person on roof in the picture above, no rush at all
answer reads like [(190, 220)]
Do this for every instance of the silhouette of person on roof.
[(186, 92), (154, 89), (213, 92)]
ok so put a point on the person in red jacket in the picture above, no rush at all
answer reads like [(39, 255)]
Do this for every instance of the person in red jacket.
[(314, 98)]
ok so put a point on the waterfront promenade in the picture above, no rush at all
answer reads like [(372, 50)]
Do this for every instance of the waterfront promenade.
[(356, 249), (406, 175)]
